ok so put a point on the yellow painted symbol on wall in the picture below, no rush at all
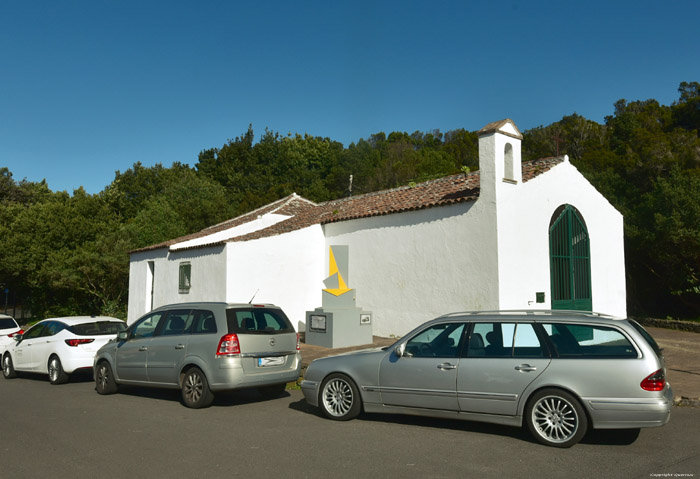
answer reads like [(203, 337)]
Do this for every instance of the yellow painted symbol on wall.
[(335, 282)]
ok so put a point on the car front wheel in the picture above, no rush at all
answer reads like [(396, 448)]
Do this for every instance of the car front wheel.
[(195, 389), (8, 370), (340, 399), (104, 379), (556, 418), (56, 373)]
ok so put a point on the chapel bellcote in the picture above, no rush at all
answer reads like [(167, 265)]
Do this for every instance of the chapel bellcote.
[(500, 162)]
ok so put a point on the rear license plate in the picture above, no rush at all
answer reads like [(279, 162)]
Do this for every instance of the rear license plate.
[(266, 362)]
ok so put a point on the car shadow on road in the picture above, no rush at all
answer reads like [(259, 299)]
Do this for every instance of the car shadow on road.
[(82, 376), (221, 398), (423, 421), (607, 437)]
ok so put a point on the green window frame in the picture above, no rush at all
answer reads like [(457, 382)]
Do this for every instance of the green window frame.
[(570, 260)]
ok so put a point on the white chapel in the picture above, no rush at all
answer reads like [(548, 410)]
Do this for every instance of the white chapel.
[(511, 236)]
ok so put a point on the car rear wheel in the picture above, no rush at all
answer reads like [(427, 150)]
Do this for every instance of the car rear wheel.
[(104, 379), (195, 389), (556, 418), (8, 370), (273, 391), (56, 373), (340, 399)]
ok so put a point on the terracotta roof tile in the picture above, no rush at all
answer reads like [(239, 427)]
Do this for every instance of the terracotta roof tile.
[(303, 213)]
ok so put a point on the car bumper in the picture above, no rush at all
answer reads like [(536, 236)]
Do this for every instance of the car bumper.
[(70, 364), (228, 375), (310, 390), (621, 413)]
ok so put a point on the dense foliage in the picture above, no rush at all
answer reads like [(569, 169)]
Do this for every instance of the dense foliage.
[(67, 254)]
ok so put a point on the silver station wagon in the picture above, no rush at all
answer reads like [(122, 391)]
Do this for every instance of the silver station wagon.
[(557, 372), (202, 348)]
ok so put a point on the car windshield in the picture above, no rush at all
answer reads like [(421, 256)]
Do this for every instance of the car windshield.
[(7, 323), (98, 328)]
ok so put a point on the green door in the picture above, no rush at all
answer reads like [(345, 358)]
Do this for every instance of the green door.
[(570, 260)]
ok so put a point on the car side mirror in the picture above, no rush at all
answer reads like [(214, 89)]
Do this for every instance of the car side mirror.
[(17, 337), (400, 350), (123, 335)]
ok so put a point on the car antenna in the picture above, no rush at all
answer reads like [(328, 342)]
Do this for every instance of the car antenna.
[(256, 293)]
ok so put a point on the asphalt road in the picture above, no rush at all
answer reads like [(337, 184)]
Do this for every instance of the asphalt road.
[(69, 431)]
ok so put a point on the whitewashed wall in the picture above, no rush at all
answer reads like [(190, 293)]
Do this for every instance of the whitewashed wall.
[(410, 267), (286, 270), (208, 278), (524, 214), (139, 289)]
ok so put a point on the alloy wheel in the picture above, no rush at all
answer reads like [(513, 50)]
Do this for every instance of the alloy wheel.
[(102, 377), (193, 387), (555, 419), (337, 397), (53, 369)]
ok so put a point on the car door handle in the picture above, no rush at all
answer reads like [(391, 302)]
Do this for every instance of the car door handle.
[(180, 346), (143, 348), (525, 368), (446, 366)]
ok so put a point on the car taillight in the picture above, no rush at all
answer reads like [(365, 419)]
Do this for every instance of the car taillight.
[(656, 381), (21, 331), (298, 345), (228, 345), (77, 342)]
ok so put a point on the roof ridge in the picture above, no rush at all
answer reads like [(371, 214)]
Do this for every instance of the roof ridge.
[(443, 191), (289, 199), (400, 188)]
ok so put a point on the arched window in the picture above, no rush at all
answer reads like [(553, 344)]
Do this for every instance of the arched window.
[(508, 166), (570, 260)]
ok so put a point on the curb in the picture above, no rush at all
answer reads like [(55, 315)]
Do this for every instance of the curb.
[(686, 402)]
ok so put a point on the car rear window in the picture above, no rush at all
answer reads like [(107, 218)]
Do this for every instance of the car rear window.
[(7, 323), (258, 321), (647, 337), (588, 341), (98, 328)]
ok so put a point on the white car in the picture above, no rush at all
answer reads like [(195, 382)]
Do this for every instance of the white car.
[(8, 328), (59, 346)]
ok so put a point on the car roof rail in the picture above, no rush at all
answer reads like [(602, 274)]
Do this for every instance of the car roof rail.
[(531, 312)]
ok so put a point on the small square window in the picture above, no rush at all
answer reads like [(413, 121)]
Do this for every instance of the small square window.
[(185, 278)]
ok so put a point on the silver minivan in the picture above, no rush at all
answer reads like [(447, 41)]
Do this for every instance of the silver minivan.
[(557, 372), (202, 348)]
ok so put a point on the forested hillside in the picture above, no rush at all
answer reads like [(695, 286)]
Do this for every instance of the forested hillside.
[(63, 254)]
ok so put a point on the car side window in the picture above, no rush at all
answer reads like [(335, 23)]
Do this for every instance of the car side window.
[(588, 341), (35, 332), (438, 341), (203, 322), (53, 327), (176, 322), (146, 327), (526, 343), (492, 340), (504, 340)]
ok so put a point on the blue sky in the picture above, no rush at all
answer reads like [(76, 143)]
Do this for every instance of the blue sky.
[(91, 87)]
